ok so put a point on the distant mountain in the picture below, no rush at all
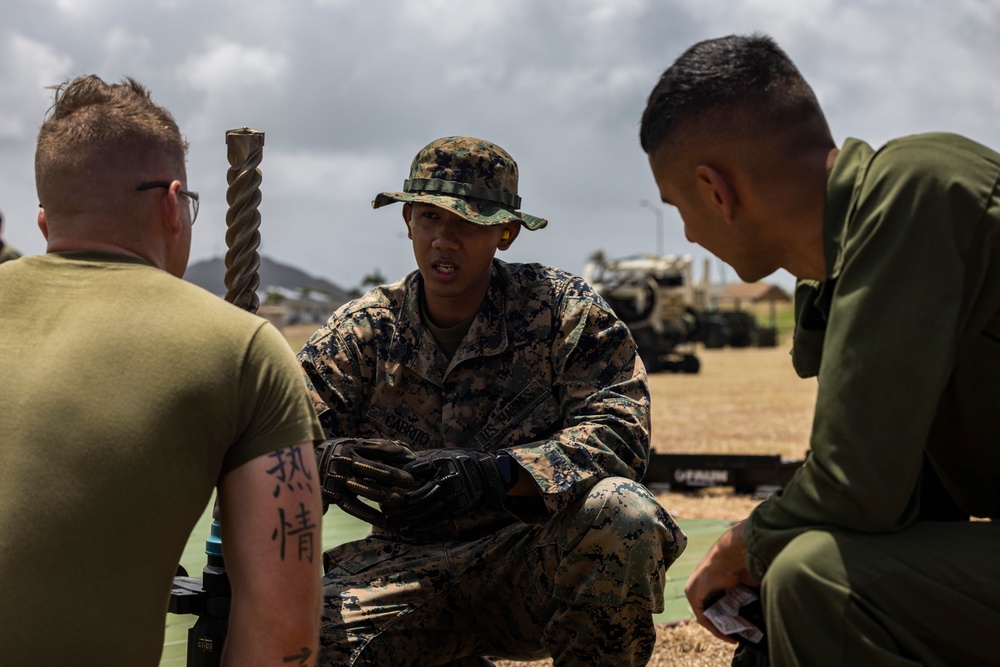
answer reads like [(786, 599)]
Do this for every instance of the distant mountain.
[(211, 275)]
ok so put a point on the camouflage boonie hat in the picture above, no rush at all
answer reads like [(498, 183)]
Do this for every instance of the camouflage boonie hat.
[(474, 178)]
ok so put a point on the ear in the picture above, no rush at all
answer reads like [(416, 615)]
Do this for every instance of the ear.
[(716, 191), (43, 223), (169, 209), (407, 213), (510, 232)]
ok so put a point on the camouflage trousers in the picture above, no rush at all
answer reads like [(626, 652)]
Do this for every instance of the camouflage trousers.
[(581, 588)]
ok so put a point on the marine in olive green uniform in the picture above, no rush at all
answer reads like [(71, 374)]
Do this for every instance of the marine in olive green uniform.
[(543, 372), (904, 335), (868, 556)]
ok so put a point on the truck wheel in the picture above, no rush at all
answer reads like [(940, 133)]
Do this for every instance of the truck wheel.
[(690, 364)]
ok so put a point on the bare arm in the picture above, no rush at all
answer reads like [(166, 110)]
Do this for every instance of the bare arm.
[(270, 517)]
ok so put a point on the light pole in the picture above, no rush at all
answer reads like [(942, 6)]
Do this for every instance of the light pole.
[(659, 224)]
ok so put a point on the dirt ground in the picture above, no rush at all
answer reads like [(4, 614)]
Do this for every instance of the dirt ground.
[(683, 645)]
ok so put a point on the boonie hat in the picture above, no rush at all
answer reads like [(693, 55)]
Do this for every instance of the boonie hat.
[(474, 178)]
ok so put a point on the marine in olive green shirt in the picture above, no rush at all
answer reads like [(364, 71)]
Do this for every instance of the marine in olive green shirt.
[(127, 396), (868, 556), (904, 337)]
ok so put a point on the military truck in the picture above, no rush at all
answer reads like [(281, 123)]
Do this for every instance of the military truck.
[(658, 300), (735, 328)]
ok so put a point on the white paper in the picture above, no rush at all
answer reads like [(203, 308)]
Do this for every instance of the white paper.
[(724, 614)]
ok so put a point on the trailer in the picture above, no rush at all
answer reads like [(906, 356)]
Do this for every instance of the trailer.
[(746, 473)]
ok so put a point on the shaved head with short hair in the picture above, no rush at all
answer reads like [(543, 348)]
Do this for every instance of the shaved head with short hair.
[(738, 143), (97, 134), (744, 84)]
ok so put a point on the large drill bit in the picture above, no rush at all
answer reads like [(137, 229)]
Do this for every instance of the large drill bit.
[(245, 148)]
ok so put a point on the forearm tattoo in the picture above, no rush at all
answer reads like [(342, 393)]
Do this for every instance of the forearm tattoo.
[(289, 471), (296, 530), (301, 528)]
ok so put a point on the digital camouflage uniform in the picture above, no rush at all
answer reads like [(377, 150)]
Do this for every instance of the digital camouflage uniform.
[(548, 374)]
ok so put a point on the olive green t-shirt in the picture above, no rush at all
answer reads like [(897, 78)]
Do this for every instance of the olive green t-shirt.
[(126, 394)]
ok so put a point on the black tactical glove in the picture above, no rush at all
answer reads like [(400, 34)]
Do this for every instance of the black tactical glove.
[(365, 467), (455, 481)]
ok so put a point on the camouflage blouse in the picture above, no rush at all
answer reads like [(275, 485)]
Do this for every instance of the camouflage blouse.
[(547, 372)]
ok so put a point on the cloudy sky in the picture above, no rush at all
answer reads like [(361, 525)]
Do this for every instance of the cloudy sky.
[(347, 91)]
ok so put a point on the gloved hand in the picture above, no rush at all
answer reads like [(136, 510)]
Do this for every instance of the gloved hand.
[(455, 481), (367, 467)]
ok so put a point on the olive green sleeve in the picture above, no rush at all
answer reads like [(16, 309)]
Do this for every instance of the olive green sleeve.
[(275, 408)]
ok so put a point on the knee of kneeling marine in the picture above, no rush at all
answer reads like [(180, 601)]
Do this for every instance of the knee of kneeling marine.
[(627, 510), (619, 498), (810, 556)]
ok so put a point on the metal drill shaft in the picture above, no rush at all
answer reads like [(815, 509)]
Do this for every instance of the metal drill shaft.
[(245, 149)]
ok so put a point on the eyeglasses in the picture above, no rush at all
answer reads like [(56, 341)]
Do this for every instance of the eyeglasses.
[(192, 196)]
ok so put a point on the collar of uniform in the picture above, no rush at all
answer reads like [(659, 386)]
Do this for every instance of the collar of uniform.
[(101, 256), (488, 334), (841, 199), (414, 346)]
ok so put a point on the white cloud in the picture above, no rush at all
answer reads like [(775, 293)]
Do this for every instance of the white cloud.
[(26, 68), (84, 9), (980, 11), (342, 177), (483, 24), (225, 65), (338, 85), (125, 50), (607, 15)]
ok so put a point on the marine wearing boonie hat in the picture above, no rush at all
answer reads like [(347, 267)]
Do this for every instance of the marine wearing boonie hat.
[(474, 178)]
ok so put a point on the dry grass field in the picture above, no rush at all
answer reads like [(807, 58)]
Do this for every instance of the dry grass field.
[(744, 401)]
